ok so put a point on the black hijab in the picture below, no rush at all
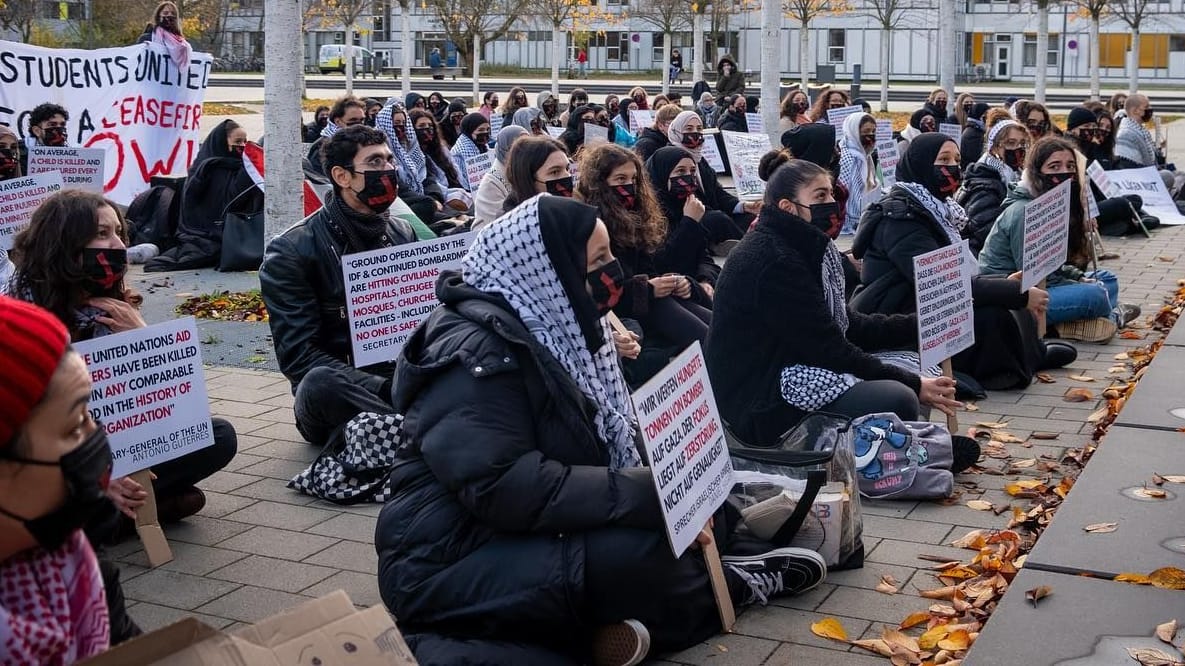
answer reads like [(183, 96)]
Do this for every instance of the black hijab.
[(917, 165), (446, 124), (215, 146), (915, 120), (469, 125), (659, 168), (573, 136), (566, 225), (813, 142)]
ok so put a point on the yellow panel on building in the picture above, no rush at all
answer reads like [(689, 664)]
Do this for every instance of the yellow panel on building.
[(1154, 51)]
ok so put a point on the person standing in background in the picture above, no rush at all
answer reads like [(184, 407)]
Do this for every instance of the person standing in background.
[(676, 67), (165, 30), (582, 63)]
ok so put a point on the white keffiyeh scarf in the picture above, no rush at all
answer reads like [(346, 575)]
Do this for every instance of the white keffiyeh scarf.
[(948, 214), (411, 159), (1007, 174)]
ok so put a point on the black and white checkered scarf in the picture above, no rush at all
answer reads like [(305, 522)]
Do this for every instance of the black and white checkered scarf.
[(509, 258)]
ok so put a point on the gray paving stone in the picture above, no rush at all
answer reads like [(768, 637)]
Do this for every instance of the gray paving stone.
[(224, 482), (274, 490), (235, 408), (1176, 337), (727, 649), (252, 604), (281, 516), (898, 509), (793, 626), (872, 605), (248, 442), (962, 513), (189, 558), (869, 575), (904, 529), (246, 426), (176, 590), (348, 555), (285, 431), (1158, 393), (282, 544), (242, 460), (807, 602), (286, 450), (204, 531), (362, 588), (151, 617), (274, 468), (273, 574), (220, 504), (794, 655), (905, 553), (347, 526)]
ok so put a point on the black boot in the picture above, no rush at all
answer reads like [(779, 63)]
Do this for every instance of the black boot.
[(1058, 354)]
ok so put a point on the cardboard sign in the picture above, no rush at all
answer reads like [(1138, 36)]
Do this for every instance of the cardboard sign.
[(149, 392), (744, 154), (81, 168), (942, 288), (1047, 234), (884, 130), (496, 121), (476, 167), (135, 103), (684, 439), (1147, 183), (640, 119), (594, 134), (1101, 178), (835, 117), (710, 151), (389, 291), (19, 197), (951, 129), (755, 122), (555, 132), (888, 157)]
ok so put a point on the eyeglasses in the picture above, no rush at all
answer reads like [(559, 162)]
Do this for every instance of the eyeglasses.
[(1037, 127), (375, 163), (1014, 145)]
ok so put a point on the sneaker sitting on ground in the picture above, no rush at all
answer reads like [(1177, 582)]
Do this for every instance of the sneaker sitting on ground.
[(1126, 313), (965, 451), (1099, 329), (780, 572), (623, 644), (140, 254)]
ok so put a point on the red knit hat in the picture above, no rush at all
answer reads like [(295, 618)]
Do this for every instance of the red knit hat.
[(32, 342)]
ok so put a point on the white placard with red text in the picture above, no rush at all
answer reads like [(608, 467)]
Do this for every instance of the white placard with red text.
[(1047, 234), (389, 291), (19, 197), (476, 168), (942, 288), (888, 157), (149, 391), (81, 168), (684, 439), (710, 151), (132, 102)]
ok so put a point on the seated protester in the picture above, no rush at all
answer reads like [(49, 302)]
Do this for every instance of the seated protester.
[(302, 286), (536, 164), (549, 107), (1082, 305), (530, 119), (346, 112), (373, 106), (706, 108), (918, 216), (1117, 215), (55, 461), (687, 132), (312, 131), (414, 100), (1035, 118), (573, 136), (921, 122), (439, 163), (611, 104), (217, 178), (660, 101), (675, 308), (1135, 147), (622, 119), (730, 80), (768, 369), (71, 260), (450, 127), (10, 167), (489, 104), (417, 187), (857, 168), (616, 135), (523, 528), (936, 105), (650, 139), (986, 182), (491, 195), (673, 175), (639, 96), (47, 127), (793, 110), (473, 140), (515, 100), (964, 105), (576, 99), (437, 106), (974, 130), (826, 101), (1105, 138), (733, 118), (1117, 105)]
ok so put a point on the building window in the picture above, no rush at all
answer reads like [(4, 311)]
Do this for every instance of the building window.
[(1030, 50), (836, 40), (1177, 43), (616, 45)]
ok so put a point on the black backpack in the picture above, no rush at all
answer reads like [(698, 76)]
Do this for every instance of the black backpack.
[(153, 217)]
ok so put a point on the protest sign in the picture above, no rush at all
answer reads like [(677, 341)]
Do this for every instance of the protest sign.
[(950, 129), (149, 391), (389, 291), (1047, 234), (744, 154), (132, 102), (942, 288), (835, 117), (884, 130), (496, 120), (594, 134), (684, 439), (1147, 183), (640, 119), (476, 167), (711, 152), (1101, 178), (81, 168), (19, 197), (886, 152), (555, 132), (755, 122)]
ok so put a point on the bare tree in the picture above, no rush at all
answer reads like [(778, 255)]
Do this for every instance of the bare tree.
[(698, 56), (1133, 13), (461, 20), (19, 16), (1093, 9), (803, 12), (946, 48), (668, 16), (406, 47), (1042, 50), (284, 179), (771, 74), (344, 13), (889, 15), (565, 16)]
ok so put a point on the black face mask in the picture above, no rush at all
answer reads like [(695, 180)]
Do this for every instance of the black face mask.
[(967, 109), (940, 106), (8, 163), (798, 108), (1147, 115), (825, 217), (867, 141), (104, 269), (1014, 157), (481, 139), (945, 179), (53, 136), (1052, 180), (169, 23), (87, 470), (322, 121), (379, 189), (425, 134), (606, 283), (401, 132), (457, 120), (627, 194), (561, 187), (692, 140), (682, 186), (238, 150)]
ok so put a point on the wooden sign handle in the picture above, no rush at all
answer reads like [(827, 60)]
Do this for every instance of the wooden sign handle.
[(728, 614), (156, 547), (952, 421)]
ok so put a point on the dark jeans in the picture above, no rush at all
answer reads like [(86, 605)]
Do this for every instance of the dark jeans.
[(875, 397), (182, 473), (326, 400), (677, 321), (723, 226)]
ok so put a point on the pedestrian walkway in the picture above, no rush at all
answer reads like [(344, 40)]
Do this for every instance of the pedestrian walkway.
[(259, 547)]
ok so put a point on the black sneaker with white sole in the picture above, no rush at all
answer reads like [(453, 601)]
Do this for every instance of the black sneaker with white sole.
[(623, 644), (779, 572)]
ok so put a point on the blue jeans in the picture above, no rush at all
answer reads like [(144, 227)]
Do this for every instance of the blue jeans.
[(674, 72), (1084, 300)]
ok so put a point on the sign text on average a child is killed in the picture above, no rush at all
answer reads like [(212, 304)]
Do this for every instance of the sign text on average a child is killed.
[(19, 197)]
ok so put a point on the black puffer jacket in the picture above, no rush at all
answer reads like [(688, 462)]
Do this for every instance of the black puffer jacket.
[(301, 281), (982, 196), (649, 141), (504, 448)]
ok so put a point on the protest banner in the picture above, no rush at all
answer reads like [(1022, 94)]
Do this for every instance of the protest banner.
[(132, 102), (711, 152), (755, 122), (640, 119), (496, 121), (1101, 178), (1047, 235), (594, 134), (684, 439), (744, 154), (150, 393), (886, 152), (945, 308), (19, 197), (884, 130), (555, 132), (81, 168), (389, 291), (1147, 183), (835, 117), (476, 167), (951, 129)]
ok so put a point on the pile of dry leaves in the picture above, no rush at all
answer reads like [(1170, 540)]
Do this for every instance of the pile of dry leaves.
[(225, 306)]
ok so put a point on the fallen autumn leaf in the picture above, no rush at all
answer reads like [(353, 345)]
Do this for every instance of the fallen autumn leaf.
[(1167, 632), (1077, 395), (1082, 378), (980, 505), (829, 627), (1101, 528), (1038, 593)]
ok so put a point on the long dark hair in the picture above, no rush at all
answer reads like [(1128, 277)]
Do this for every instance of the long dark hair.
[(1040, 153), (643, 227), (787, 176), (823, 102), (47, 254), (526, 157), (435, 148)]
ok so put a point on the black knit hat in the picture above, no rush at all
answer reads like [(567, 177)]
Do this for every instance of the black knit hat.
[(1079, 116)]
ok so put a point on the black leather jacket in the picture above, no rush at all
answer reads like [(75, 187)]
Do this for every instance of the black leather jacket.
[(301, 281)]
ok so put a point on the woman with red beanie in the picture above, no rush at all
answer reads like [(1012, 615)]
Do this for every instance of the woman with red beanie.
[(54, 467)]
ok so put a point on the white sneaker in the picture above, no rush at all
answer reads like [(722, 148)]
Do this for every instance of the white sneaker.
[(140, 254), (779, 572), (623, 644)]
